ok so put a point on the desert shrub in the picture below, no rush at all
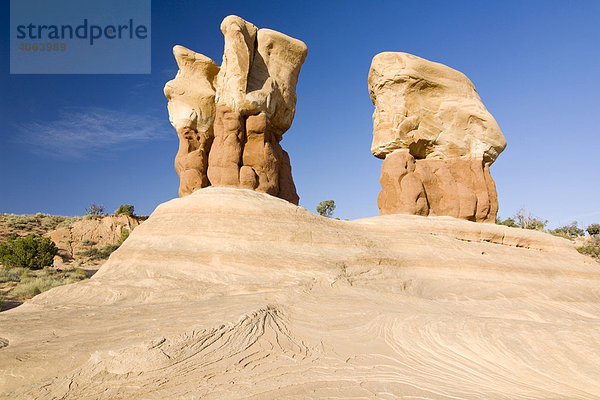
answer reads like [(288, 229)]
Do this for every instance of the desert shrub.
[(591, 247), (593, 229), (593, 251), (38, 223), (11, 274), (124, 235), (536, 224), (527, 221), (94, 210), (79, 273), (38, 281), (507, 222), (21, 221), (68, 221), (125, 209), (49, 222), (88, 242), (568, 231), (33, 286), (29, 251), (92, 253), (52, 222), (95, 253), (326, 207), (108, 250)]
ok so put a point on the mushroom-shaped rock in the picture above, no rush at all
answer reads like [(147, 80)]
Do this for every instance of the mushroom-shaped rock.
[(431, 115)]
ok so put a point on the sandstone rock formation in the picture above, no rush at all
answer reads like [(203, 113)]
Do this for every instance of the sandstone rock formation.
[(230, 119), (231, 294), (436, 137), (82, 235)]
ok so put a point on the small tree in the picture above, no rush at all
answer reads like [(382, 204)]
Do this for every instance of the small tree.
[(568, 231), (593, 229), (527, 221), (125, 209), (94, 209), (325, 208), (29, 252)]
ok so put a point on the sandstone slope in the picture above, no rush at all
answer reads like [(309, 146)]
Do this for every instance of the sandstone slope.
[(231, 293)]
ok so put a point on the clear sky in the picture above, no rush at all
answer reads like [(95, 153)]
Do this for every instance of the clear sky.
[(69, 140)]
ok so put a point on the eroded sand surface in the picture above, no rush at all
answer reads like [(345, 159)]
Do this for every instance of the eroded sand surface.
[(229, 293)]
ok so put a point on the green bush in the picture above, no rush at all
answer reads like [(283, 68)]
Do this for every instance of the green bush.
[(591, 247), (107, 250), (536, 224), (29, 251), (593, 229), (125, 209), (124, 236), (592, 251), (507, 222), (326, 207), (568, 231)]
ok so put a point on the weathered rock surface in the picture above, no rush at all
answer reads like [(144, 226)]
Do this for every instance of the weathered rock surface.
[(81, 235), (230, 119), (430, 120), (191, 108), (229, 294), (456, 187)]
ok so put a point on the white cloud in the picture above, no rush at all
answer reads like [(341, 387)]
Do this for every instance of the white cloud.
[(79, 132)]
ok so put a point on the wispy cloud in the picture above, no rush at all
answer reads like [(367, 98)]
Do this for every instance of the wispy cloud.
[(79, 132)]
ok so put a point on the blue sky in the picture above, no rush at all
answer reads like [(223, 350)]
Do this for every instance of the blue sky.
[(69, 140)]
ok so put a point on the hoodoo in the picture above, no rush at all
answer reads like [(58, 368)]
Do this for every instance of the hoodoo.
[(230, 119), (436, 138)]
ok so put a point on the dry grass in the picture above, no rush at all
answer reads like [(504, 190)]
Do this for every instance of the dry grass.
[(36, 224), (22, 283)]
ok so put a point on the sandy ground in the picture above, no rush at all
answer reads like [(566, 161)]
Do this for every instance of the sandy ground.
[(231, 294)]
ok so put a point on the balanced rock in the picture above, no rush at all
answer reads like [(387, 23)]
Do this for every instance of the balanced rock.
[(230, 119), (437, 139)]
